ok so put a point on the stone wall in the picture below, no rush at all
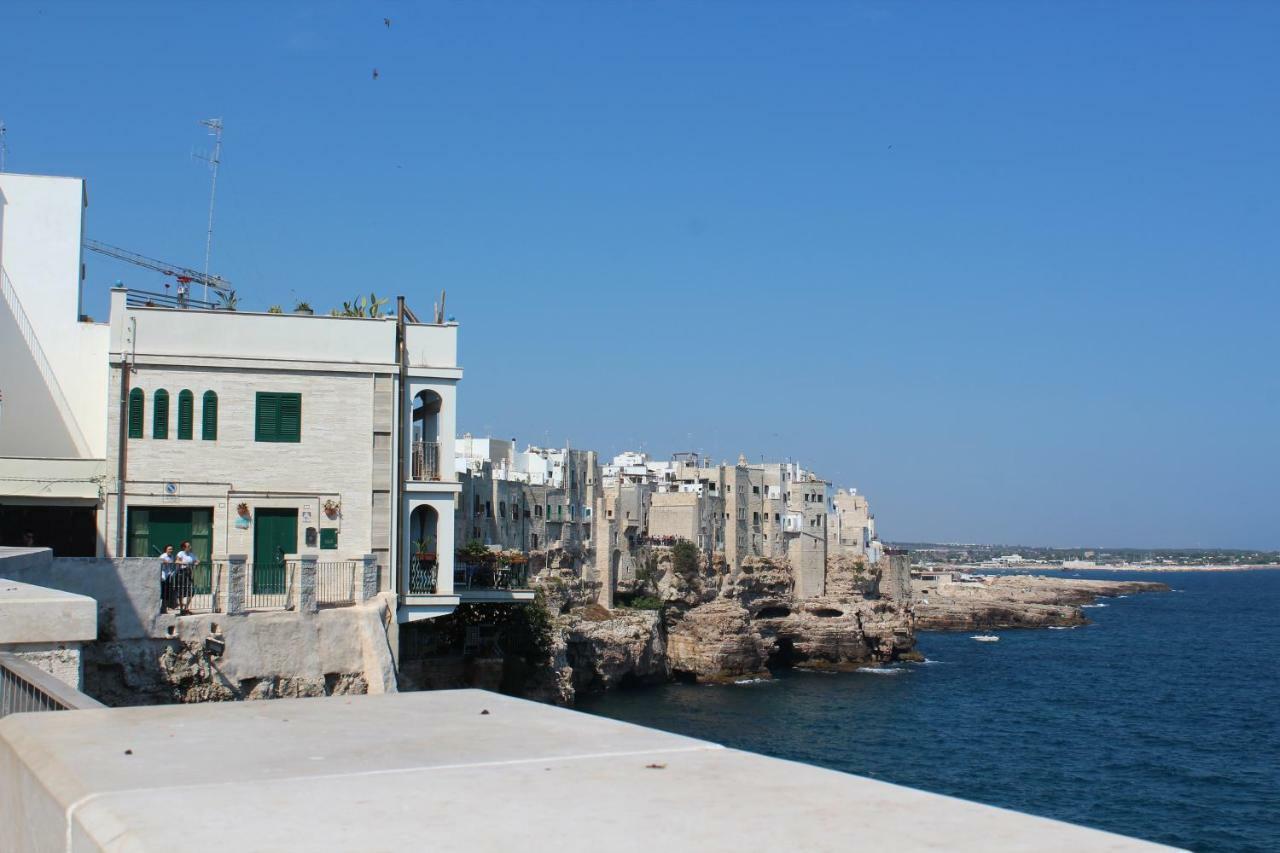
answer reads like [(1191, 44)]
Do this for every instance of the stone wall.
[(144, 657)]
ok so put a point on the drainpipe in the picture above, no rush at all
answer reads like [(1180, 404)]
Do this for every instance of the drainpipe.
[(400, 408), (123, 454)]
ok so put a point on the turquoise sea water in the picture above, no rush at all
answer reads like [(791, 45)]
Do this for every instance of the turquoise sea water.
[(1161, 720)]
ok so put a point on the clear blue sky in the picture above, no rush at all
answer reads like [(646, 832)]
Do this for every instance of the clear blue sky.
[(1010, 268)]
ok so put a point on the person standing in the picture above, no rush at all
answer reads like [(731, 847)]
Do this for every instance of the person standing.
[(184, 578), (167, 569)]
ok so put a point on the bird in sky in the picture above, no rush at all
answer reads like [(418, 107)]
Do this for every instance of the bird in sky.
[(375, 74), (386, 22)]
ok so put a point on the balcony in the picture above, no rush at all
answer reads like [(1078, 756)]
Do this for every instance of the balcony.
[(426, 462), (494, 582)]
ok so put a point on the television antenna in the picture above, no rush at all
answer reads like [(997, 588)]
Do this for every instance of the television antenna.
[(215, 130)]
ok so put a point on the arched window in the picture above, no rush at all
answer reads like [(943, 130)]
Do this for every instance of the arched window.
[(186, 414), (209, 417), (136, 398), (160, 414)]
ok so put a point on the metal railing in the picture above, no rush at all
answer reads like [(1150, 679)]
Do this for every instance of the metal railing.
[(486, 576), (25, 688), (152, 299), (426, 461), (422, 575), (337, 583), (204, 588), (269, 586)]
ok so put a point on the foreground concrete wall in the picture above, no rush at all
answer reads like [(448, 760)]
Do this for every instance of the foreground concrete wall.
[(379, 772)]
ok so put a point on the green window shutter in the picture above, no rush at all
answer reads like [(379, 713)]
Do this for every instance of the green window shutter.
[(160, 414), (279, 417), (267, 417), (135, 413), (209, 417), (290, 417), (186, 414)]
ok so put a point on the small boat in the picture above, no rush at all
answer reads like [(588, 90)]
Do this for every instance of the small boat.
[(985, 638)]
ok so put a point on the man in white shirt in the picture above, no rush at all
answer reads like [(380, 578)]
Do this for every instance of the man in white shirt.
[(166, 579), (184, 580)]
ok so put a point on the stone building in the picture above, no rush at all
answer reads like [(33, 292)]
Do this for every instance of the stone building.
[(253, 435)]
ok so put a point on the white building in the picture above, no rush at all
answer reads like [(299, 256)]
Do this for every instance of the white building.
[(262, 435)]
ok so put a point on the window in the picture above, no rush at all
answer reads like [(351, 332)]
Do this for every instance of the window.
[(186, 414), (135, 413), (755, 490), (160, 414), (209, 417), (278, 417)]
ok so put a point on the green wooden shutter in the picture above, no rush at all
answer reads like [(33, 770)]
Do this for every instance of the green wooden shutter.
[(290, 417), (160, 414), (267, 417), (279, 417), (186, 414), (209, 417), (135, 413)]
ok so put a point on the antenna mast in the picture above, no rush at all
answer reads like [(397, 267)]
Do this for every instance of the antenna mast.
[(4, 145), (215, 130)]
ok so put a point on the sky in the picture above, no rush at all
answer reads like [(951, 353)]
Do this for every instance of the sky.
[(1008, 268)]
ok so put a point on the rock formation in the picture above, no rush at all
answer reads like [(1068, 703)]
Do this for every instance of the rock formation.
[(716, 624), (1014, 601)]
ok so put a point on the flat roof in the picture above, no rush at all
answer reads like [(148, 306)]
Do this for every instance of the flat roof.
[(451, 770)]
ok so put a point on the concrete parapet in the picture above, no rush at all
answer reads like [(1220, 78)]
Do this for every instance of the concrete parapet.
[(100, 780)]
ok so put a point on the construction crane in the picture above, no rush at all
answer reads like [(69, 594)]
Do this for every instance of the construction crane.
[(185, 276)]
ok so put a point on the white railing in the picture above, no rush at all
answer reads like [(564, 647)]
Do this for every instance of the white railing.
[(426, 461), (42, 362), (338, 584)]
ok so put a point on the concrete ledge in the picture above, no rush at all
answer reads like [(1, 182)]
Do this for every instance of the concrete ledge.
[(35, 614), (401, 771)]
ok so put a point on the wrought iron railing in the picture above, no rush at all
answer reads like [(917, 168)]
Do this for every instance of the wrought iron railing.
[(426, 461), (269, 586), (337, 583), (25, 688), (422, 575)]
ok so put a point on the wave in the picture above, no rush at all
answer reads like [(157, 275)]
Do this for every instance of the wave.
[(1122, 596), (1099, 604), (882, 670), (1063, 627), (753, 681)]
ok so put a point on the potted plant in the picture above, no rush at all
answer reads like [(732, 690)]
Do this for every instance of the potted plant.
[(242, 509), (303, 307), (425, 549), (332, 508), (275, 309)]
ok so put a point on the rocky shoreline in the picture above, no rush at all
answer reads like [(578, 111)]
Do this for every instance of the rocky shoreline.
[(1013, 601), (713, 624)]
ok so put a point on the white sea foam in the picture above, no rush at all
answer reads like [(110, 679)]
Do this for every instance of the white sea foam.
[(753, 680), (1062, 627), (882, 670), (1093, 605)]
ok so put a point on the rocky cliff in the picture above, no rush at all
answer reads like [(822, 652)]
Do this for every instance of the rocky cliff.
[(1014, 601), (715, 624)]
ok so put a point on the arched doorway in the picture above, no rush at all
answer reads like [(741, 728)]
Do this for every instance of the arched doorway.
[(426, 435), (423, 557)]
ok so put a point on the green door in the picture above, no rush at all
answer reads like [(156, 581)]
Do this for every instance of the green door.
[(152, 527), (275, 533)]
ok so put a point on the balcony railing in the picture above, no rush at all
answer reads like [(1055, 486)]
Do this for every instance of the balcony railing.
[(483, 576), (422, 574), (426, 461), (25, 688)]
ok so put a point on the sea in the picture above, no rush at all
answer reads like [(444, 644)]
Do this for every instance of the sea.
[(1160, 720)]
